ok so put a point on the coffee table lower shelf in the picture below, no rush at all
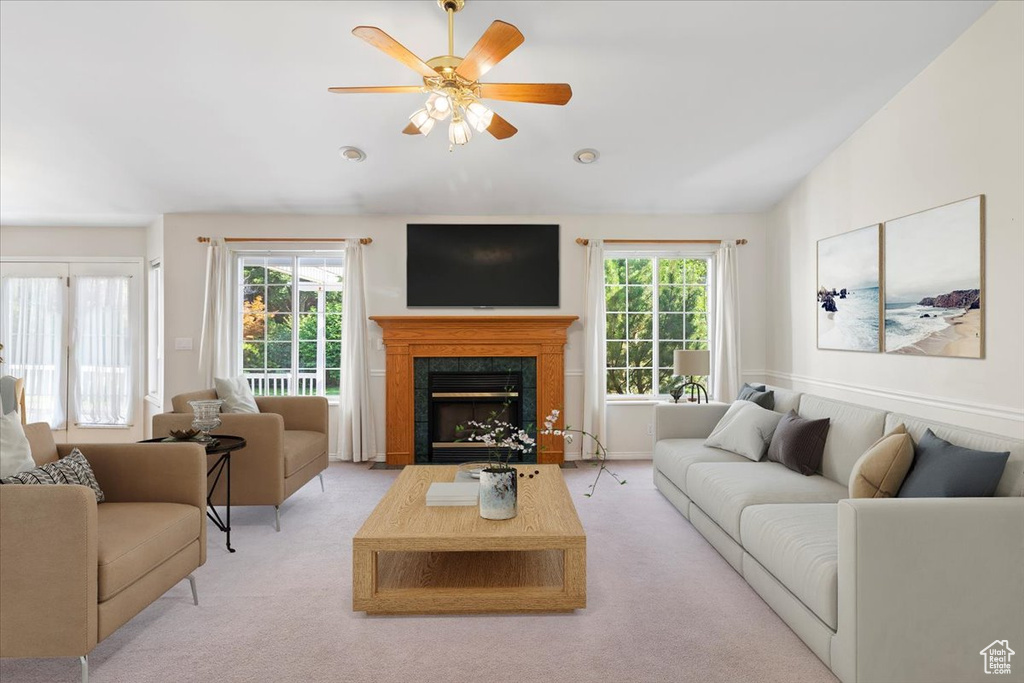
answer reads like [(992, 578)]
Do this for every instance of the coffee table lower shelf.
[(465, 582)]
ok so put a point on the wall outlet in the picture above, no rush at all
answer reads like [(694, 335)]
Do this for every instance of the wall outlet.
[(183, 343)]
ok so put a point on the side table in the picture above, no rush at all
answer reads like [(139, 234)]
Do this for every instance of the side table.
[(223, 445)]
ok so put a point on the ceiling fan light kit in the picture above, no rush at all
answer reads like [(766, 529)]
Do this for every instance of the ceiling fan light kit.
[(452, 82)]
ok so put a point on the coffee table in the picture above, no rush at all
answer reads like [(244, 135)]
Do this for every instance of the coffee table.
[(412, 559)]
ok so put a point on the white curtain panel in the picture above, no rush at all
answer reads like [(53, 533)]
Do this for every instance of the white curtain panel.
[(594, 348), (34, 349), (101, 351), (725, 335), (357, 439), (217, 345)]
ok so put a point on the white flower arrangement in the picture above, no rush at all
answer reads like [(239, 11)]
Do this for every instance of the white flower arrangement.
[(600, 452), (501, 438)]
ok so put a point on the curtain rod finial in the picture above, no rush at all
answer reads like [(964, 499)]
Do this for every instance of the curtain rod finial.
[(365, 240), (741, 242), (202, 240), (582, 241)]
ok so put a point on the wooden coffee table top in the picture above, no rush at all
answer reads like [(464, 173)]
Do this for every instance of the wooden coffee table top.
[(403, 521)]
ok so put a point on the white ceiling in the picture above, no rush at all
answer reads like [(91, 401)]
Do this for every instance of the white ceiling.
[(113, 113)]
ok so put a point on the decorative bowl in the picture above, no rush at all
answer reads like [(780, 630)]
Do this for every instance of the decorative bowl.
[(184, 434)]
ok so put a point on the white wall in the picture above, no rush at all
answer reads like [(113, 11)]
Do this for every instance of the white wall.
[(67, 242), (955, 131), (184, 261)]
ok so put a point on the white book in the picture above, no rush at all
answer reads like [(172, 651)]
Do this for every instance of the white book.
[(453, 493)]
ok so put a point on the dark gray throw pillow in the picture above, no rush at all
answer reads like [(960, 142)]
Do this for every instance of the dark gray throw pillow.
[(944, 470), (758, 394), (799, 443)]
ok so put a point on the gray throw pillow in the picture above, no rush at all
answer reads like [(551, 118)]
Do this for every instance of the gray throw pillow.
[(73, 469), (944, 470), (799, 443), (759, 394)]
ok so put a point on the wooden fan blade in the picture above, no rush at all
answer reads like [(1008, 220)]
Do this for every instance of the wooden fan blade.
[(494, 45), (500, 128), (538, 93), (391, 47), (411, 130), (378, 89)]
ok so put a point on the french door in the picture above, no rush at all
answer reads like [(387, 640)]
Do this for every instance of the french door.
[(71, 331)]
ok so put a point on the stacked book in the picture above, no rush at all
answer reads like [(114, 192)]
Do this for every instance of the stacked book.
[(453, 493)]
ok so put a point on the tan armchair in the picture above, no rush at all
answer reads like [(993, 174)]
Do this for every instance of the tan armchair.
[(73, 571), (286, 446)]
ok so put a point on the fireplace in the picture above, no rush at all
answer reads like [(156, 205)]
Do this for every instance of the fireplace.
[(456, 398), (418, 344)]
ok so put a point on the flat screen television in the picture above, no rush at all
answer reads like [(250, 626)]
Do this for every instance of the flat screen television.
[(482, 265)]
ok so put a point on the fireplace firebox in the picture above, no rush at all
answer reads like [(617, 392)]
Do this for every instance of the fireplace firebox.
[(456, 398)]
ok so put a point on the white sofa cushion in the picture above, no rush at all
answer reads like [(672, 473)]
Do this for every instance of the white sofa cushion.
[(799, 545), (672, 457), (746, 429), (785, 399), (723, 489), (852, 430), (1012, 481)]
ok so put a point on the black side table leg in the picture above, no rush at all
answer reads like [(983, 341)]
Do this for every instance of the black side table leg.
[(228, 508)]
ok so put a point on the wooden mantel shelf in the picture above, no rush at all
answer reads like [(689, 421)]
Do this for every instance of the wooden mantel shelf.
[(411, 337)]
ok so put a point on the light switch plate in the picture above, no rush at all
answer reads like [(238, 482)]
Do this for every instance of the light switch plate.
[(183, 343)]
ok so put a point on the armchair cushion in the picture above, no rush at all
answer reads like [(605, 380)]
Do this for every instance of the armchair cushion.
[(301, 448), (74, 469), (15, 451), (236, 394), (135, 538)]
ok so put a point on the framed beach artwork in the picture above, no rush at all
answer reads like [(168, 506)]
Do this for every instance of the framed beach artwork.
[(934, 281), (849, 307)]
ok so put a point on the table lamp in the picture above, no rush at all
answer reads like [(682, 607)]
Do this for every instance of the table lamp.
[(692, 364)]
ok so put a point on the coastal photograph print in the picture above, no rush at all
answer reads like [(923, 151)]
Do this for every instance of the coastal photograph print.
[(934, 281), (849, 312)]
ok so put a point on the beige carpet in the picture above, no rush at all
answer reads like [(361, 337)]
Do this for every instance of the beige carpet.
[(663, 606)]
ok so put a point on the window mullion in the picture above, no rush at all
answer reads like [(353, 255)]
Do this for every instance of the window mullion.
[(655, 332)]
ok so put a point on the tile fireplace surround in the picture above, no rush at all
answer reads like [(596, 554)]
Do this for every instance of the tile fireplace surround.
[(411, 337)]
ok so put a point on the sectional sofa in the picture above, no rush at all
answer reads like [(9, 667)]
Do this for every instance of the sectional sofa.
[(898, 589)]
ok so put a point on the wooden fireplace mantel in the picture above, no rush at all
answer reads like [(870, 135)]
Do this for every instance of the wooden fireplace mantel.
[(411, 337)]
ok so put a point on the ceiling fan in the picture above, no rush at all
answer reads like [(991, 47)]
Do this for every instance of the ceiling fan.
[(452, 83)]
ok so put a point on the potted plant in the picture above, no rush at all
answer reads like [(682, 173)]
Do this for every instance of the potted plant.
[(498, 480), (600, 452)]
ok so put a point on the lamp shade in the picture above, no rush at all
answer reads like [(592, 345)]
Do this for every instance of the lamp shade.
[(691, 363)]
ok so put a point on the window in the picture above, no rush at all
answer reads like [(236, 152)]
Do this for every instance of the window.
[(154, 373), (73, 330), (290, 323), (655, 304)]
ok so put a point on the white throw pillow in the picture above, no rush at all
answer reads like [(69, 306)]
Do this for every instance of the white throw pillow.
[(236, 394), (746, 429), (15, 453)]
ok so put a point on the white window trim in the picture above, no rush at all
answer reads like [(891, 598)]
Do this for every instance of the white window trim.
[(660, 252)]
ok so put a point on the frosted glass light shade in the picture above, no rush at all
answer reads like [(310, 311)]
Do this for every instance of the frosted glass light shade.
[(439, 106), (691, 363), (422, 120), (459, 132), (479, 116)]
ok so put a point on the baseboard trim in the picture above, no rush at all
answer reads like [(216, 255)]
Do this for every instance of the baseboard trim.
[(973, 407)]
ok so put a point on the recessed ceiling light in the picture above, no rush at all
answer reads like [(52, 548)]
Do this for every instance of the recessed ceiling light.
[(351, 153), (586, 156)]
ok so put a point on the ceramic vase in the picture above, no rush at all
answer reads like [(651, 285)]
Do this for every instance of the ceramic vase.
[(498, 493)]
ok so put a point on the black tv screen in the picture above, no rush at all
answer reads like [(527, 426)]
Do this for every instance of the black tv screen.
[(482, 265)]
